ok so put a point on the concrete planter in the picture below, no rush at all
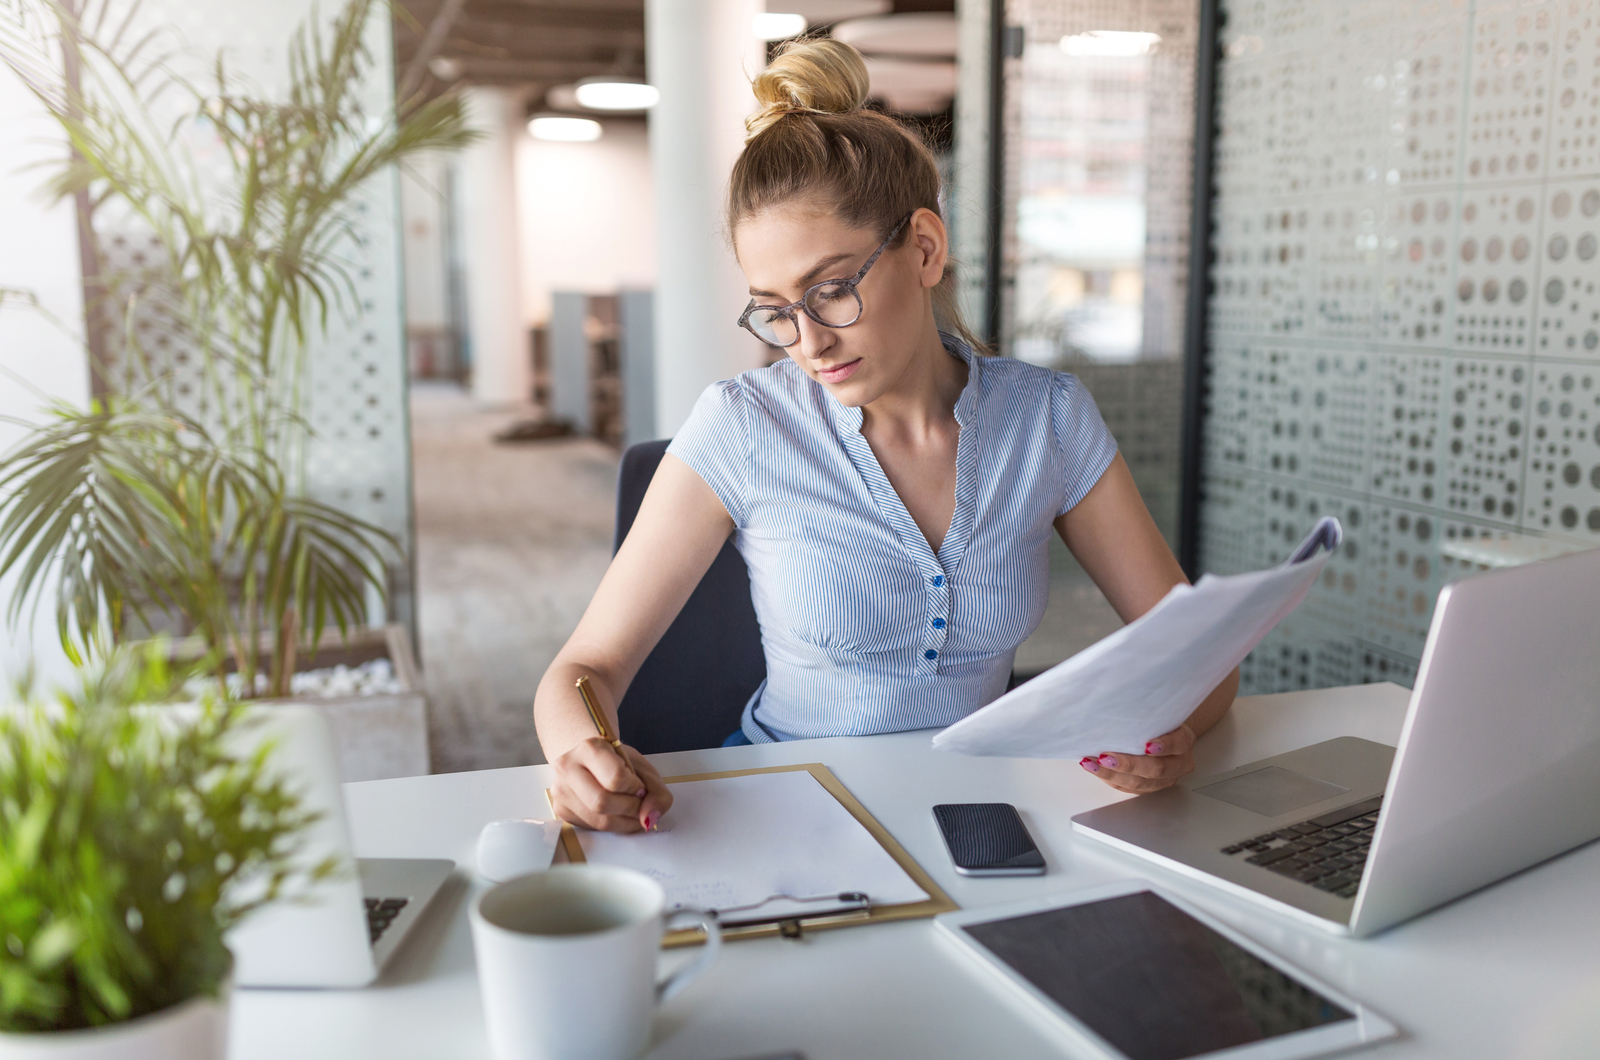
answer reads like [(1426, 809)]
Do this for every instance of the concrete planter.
[(381, 736), (197, 1029)]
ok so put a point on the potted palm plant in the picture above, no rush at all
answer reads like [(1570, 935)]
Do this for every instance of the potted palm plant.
[(133, 840), (182, 505)]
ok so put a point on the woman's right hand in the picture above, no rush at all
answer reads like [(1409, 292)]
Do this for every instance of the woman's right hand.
[(599, 787), (680, 528)]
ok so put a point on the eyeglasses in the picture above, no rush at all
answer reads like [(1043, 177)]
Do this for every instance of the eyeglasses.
[(831, 303)]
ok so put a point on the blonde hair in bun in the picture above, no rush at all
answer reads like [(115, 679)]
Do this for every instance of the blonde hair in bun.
[(813, 140), (808, 76)]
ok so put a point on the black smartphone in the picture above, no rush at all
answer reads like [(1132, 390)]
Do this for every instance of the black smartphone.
[(988, 839)]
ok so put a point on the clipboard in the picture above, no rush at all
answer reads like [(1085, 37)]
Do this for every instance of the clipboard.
[(937, 901)]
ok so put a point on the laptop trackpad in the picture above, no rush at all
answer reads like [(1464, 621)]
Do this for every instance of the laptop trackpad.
[(1271, 790)]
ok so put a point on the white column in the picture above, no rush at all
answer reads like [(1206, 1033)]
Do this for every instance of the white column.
[(501, 369), (967, 205), (701, 55)]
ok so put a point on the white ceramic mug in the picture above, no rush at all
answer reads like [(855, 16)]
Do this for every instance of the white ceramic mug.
[(567, 962)]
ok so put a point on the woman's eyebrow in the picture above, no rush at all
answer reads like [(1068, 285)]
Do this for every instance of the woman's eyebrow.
[(806, 281)]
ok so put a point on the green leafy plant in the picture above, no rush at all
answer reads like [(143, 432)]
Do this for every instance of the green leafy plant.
[(132, 840), (171, 496), (131, 509)]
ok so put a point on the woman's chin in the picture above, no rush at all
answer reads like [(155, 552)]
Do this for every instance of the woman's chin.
[(852, 393)]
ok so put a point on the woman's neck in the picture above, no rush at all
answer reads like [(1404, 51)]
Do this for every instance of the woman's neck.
[(923, 400)]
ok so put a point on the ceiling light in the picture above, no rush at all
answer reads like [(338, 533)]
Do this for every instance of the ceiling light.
[(567, 130), (616, 93), (1110, 42), (772, 25)]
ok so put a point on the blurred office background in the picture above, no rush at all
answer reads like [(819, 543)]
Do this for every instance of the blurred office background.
[(1379, 304)]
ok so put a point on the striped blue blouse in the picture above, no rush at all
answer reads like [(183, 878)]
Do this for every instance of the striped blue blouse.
[(866, 629)]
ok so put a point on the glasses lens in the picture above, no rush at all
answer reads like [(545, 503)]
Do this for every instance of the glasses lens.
[(834, 303), (774, 327)]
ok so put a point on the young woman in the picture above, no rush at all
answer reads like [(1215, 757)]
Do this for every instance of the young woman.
[(891, 490)]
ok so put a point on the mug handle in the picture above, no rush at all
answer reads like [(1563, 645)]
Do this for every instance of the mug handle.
[(707, 922)]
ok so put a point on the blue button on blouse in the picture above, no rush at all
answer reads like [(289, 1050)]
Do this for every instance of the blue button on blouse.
[(841, 577)]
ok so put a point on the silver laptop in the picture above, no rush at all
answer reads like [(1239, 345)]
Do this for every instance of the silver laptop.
[(340, 932), (1498, 769)]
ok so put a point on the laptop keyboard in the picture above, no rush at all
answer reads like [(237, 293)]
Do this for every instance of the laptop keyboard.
[(1328, 852), (381, 913)]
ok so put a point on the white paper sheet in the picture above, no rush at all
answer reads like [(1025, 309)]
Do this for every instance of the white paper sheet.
[(734, 842), (1147, 677)]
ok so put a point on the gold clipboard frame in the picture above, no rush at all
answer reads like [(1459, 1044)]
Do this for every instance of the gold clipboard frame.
[(937, 901)]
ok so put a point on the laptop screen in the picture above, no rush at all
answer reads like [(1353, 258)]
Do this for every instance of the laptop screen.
[(1151, 980)]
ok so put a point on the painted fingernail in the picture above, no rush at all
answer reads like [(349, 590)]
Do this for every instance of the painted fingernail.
[(1091, 765), (639, 794), (650, 822), (1109, 761), (1152, 748)]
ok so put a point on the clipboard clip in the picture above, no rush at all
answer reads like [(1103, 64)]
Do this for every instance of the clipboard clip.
[(1326, 534), (832, 908)]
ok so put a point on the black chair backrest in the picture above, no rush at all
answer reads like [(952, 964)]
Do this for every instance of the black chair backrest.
[(691, 690)]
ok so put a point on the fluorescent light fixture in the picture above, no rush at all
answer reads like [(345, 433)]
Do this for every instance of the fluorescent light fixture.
[(772, 25), (1110, 42), (616, 93), (567, 130)]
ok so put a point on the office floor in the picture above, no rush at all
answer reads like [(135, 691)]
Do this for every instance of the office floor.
[(512, 541)]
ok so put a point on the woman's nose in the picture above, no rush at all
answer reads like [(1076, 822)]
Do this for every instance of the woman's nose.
[(815, 340)]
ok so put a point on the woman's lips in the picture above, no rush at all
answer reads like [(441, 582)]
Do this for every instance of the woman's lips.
[(839, 374)]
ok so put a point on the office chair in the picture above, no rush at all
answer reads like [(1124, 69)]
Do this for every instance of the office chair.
[(693, 687)]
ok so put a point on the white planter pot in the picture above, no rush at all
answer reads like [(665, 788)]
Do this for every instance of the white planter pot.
[(194, 1030)]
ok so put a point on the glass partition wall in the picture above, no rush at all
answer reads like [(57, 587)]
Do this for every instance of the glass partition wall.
[(1403, 321), (1097, 133)]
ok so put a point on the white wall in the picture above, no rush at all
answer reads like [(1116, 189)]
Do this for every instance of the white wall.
[(39, 360), (587, 216)]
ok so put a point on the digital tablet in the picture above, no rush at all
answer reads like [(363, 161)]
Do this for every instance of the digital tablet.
[(1136, 973)]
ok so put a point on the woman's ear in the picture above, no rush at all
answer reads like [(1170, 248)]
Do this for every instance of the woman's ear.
[(928, 235)]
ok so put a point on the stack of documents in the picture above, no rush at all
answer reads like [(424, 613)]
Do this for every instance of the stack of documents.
[(1149, 676)]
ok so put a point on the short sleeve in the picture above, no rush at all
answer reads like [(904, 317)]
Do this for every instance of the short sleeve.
[(1083, 441), (715, 441)]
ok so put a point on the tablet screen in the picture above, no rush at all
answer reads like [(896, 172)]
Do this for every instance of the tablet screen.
[(1152, 980)]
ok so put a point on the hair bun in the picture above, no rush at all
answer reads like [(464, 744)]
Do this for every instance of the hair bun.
[(820, 76)]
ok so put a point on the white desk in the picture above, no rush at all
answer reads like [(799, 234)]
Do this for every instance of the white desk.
[(1512, 971)]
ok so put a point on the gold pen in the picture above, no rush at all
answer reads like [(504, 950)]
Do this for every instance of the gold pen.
[(602, 726), (597, 715)]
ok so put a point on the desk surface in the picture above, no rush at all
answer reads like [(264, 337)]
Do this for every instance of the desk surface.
[(1512, 971)]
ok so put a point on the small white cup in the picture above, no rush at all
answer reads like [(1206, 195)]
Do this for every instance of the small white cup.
[(567, 962)]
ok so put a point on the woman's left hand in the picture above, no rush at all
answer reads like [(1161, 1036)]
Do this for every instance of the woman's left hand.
[(1166, 760)]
